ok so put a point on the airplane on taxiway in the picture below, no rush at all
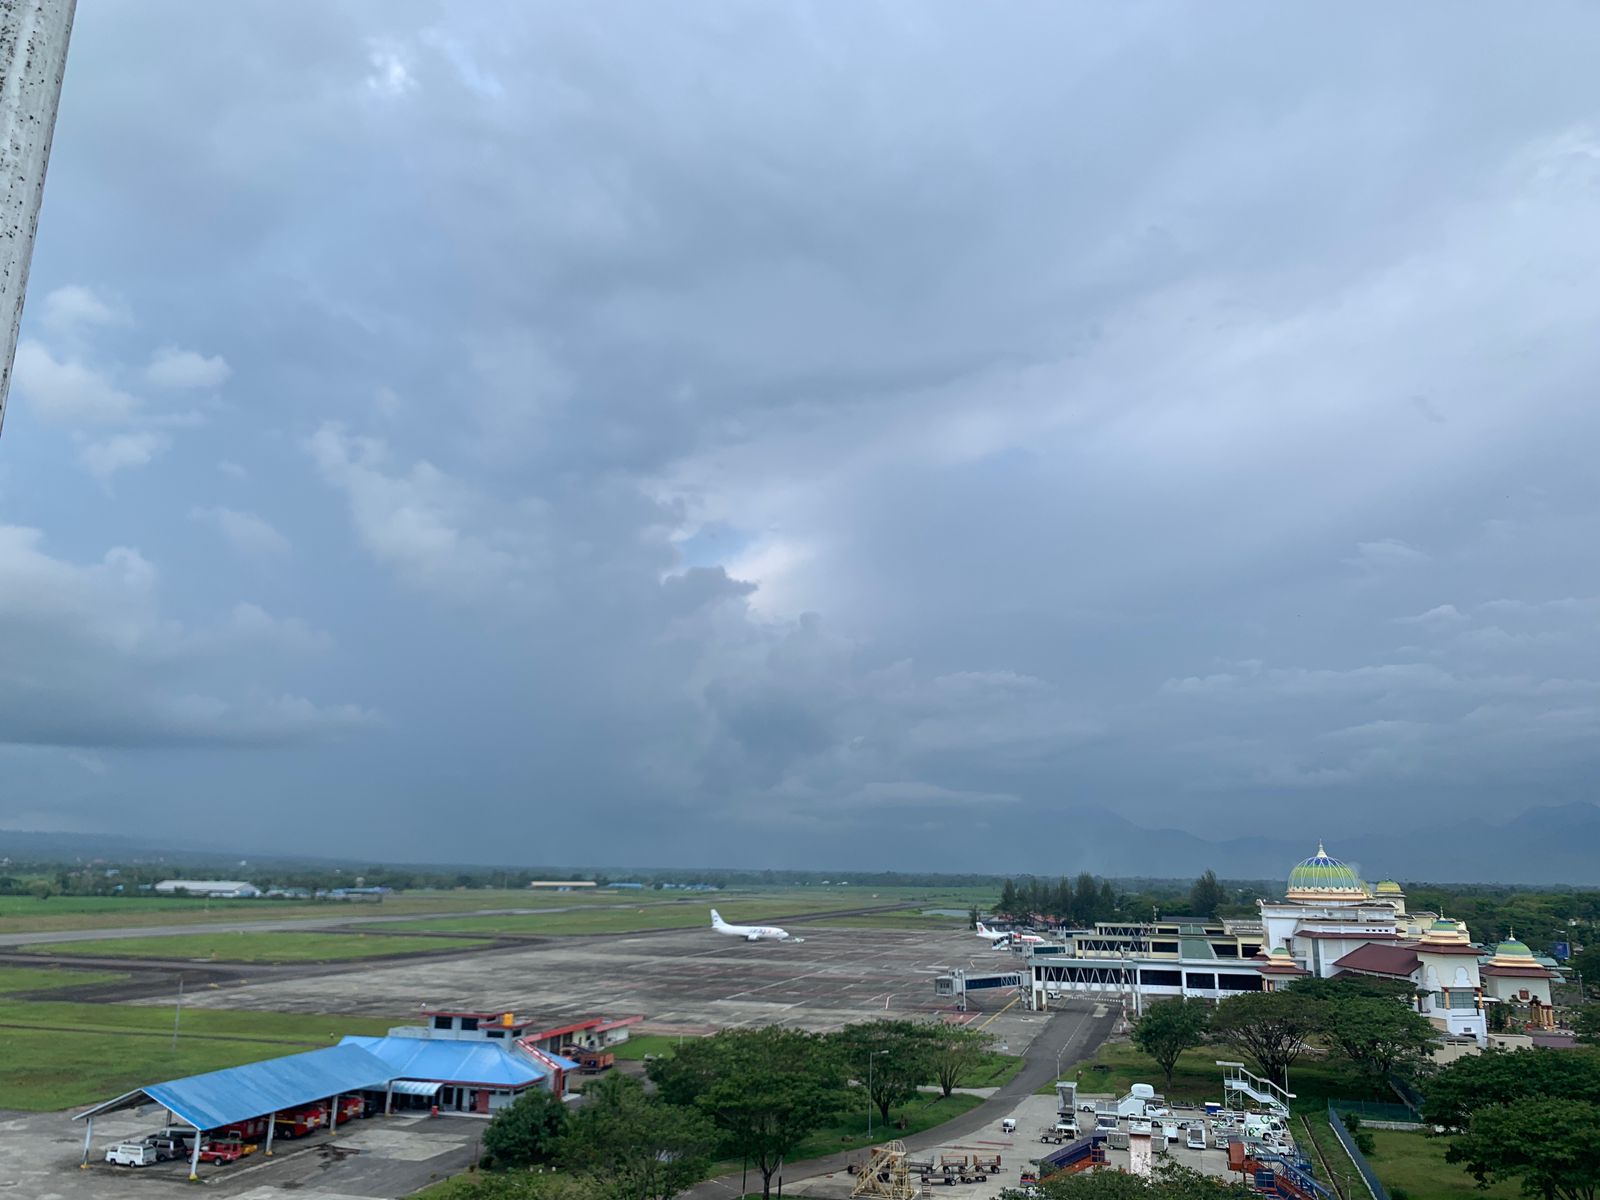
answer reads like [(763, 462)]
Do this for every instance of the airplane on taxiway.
[(995, 937), (751, 933)]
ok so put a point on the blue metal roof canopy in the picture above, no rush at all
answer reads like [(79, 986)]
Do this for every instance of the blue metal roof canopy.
[(220, 1098), (456, 1062)]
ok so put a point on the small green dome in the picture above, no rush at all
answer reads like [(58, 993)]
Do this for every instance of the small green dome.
[(1322, 874), (1444, 925), (1512, 948), (1388, 888)]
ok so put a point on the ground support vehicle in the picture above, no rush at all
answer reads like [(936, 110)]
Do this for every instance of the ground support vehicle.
[(132, 1154), (222, 1150)]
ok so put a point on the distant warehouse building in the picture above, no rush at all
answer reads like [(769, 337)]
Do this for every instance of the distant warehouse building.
[(216, 889)]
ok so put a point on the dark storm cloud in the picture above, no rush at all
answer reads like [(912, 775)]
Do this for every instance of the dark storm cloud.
[(789, 429)]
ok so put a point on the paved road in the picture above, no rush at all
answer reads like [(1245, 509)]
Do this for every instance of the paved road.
[(1074, 1032)]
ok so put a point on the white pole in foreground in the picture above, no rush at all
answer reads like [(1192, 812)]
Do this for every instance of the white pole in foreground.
[(33, 55)]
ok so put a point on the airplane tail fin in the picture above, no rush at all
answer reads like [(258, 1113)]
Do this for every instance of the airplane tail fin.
[(982, 928), (716, 918)]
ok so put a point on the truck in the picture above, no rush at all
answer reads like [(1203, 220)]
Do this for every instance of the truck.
[(592, 1062), (222, 1150), (132, 1154), (299, 1122)]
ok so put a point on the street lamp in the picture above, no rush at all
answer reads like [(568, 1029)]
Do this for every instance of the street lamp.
[(871, 1103)]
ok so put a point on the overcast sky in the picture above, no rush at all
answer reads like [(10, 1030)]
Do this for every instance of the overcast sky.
[(775, 434)]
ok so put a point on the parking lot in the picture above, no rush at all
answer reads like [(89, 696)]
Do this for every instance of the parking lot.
[(377, 1157)]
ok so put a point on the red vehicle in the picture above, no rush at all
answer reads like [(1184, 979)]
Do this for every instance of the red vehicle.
[(351, 1107), (253, 1130), (221, 1151), (301, 1122)]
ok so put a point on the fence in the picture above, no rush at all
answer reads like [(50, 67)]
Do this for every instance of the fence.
[(1377, 1111), (1368, 1175)]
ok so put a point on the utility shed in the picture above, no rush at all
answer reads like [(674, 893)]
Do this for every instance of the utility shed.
[(237, 1094)]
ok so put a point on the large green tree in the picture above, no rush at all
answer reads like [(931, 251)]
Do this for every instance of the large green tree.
[(634, 1146), (1551, 1146), (1587, 1023), (1206, 895), (1169, 1027), (1502, 1077), (525, 1133), (889, 1059), (1268, 1027), (953, 1051), (765, 1090), (1371, 1021)]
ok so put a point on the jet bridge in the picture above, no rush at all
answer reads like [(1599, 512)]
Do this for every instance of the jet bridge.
[(957, 984)]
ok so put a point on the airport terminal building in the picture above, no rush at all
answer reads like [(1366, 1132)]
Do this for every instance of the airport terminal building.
[(1329, 923)]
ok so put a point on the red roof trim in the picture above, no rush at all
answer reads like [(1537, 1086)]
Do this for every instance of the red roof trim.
[(573, 1028), (1519, 972)]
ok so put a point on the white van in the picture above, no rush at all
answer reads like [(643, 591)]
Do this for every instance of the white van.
[(132, 1154), (1009, 1125), (1197, 1136)]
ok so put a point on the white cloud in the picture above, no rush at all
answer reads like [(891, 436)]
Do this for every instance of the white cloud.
[(1385, 555), (1438, 617), (67, 392), (123, 451), (176, 369), (70, 308), (252, 623), (435, 532), (391, 72), (249, 534), (91, 659), (230, 468)]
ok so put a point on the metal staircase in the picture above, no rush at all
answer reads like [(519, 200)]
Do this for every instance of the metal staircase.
[(1236, 1078)]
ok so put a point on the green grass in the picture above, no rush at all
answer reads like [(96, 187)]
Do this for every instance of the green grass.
[(993, 1070), (636, 1047), (1197, 1078), (1415, 1162), (922, 1113), (43, 979), (908, 919), (630, 918), (113, 1048), (255, 947)]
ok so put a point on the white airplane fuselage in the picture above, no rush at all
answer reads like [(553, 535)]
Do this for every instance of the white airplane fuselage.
[(750, 933)]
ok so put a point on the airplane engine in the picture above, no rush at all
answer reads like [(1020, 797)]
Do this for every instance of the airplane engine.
[(752, 937)]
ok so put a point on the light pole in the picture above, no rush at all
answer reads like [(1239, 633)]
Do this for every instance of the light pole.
[(871, 1103)]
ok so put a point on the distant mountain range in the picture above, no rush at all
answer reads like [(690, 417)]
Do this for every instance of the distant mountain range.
[(1557, 844), (1542, 846)]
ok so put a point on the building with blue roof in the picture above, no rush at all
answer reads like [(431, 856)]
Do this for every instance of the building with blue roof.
[(464, 1076), (237, 1095)]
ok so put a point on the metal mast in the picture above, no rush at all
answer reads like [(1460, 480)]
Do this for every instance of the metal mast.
[(33, 54)]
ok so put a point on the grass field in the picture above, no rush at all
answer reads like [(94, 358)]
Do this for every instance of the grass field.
[(114, 1047), (1197, 1077), (256, 947), (626, 919), (25, 914), (993, 1070), (1415, 1162), (40, 979), (640, 1044), (922, 1113)]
